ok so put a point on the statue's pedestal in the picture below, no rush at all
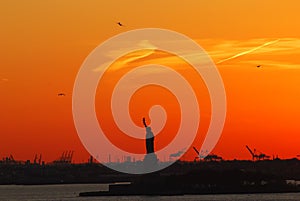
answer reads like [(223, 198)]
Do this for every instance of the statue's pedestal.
[(150, 161)]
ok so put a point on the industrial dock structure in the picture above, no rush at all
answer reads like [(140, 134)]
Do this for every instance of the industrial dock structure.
[(210, 175)]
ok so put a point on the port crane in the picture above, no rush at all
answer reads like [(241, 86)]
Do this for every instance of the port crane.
[(197, 157), (65, 158), (255, 156), (11, 160), (37, 160), (206, 157)]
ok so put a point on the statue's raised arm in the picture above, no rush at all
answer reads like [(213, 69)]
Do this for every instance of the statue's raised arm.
[(144, 122)]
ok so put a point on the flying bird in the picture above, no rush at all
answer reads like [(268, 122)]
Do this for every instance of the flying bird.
[(258, 66), (61, 94), (120, 24)]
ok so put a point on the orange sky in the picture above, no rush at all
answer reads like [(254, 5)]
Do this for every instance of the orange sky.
[(43, 44)]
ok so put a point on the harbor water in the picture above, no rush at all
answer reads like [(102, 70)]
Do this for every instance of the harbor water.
[(71, 191)]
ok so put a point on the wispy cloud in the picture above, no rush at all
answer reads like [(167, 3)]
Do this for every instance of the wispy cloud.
[(276, 54), (279, 53), (248, 51), (144, 44)]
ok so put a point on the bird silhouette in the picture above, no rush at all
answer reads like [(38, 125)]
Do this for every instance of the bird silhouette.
[(120, 24), (258, 66), (61, 94)]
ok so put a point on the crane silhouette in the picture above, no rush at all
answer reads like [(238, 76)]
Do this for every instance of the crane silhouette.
[(260, 156), (206, 156)]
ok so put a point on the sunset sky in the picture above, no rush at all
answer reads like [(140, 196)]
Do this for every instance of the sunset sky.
[(44, 43)]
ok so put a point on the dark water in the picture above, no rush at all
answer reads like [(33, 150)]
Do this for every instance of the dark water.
[(71, 191)]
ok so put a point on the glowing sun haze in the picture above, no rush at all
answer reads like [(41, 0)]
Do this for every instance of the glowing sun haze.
[(44, 43)]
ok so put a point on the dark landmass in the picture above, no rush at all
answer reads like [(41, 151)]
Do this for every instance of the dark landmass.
[(269, 176), (233, 176)]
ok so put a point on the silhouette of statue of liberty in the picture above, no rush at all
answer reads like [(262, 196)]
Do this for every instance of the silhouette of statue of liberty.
[(149, 138), (150, 159)]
